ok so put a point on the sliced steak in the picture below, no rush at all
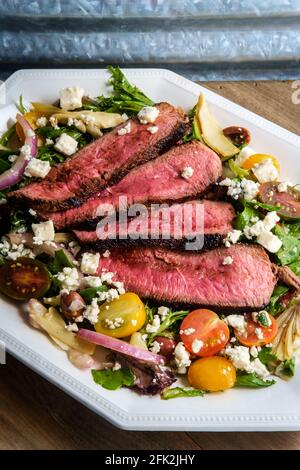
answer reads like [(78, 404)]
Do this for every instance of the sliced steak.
[(104, 162), (169, 226), (157, 181), (184, 278)]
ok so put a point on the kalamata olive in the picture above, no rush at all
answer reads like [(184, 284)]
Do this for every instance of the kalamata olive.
[(72, 305), (238, 135), (4, 218), (167, 346)]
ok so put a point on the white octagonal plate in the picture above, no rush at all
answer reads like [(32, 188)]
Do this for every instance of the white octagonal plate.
[(272, 409)]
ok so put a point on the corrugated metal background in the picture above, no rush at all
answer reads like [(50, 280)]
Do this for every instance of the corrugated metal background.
[(207, 40)]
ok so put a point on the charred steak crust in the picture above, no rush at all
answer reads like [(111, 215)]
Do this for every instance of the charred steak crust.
[(103, 163), (197, 279), (157, 181)]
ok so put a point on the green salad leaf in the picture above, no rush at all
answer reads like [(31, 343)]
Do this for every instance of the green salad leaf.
[(50, 132), (275, 307), (4, 165), (169, 325), (290, 250), (113, 379), (59, 262), (262, 205), (178, 392), (237, 170), (5, 138), (48, 153), (244, 379), (286, 369), (244, 218), (91, 292), (21, 106), (266, 356), (126, 98), (19, 221), (293, 229)]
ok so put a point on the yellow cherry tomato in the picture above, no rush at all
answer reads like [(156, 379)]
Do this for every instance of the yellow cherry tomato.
[(258, 158), (213, 374), (121, 317)]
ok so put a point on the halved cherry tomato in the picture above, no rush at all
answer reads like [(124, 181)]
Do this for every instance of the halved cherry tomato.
[(258, 158), (24, 279), (238, 135), (288, 200), (255, 334), (204, 333), (121, 317), (213, 374)]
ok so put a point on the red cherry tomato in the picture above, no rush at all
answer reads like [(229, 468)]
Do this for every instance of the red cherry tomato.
[(204, 333), (255, 334)]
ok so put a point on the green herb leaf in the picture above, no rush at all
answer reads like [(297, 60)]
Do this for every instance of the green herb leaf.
[(53, 133), (290, 250), (266, 356), (91, 292), (19, 221), (170, 323), (262, 205), (252, 381), (59, 262), (263, 318), (237, 170), (21, 106), (244, 218), (48, 153), (113, 379), (126, 98), (286, 370), (293, 229), (4, 165), (178, 392), (5, 138), (275, 307)]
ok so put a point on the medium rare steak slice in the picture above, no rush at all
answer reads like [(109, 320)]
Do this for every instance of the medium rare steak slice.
[(104, 162), (159, 180), (197, 279), (169, 226)]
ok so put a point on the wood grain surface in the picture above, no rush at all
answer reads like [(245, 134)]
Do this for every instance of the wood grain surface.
[(36, 415)]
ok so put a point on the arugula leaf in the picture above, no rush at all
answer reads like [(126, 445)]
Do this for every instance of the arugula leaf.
[(295, 267), (266, 356), (262, 205), (286, 369), (290, 250), (178, 392), (21, 106), (237, 170), (4, 165), (59, 262), (48, 153), (91, 292), (52, 133), (113, 379), (252, 381), (126, 98), (19, 221), (293, 229), (5, 138), (275, 307), (244, 218), (170, 323)]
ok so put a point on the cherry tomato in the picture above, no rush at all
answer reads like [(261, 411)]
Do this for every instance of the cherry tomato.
[(213, 374), (204, 333), (121, 317), (288, 200), (167, 346), (258, 158), (255, 334), (24, 279), (237, 135)]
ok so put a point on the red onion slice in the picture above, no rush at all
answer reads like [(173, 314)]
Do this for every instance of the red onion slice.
[(120, 346), (14, 174)]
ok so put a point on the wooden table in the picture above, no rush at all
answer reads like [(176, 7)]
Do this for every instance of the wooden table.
[(36, 415)]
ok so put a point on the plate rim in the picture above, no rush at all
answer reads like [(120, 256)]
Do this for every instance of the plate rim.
[(94, 401)]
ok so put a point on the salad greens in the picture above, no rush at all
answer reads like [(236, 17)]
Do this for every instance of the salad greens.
[(244, 218), (126, 98), (90, 293), (167, 326), (5, 138), (252, 381), (266, 356), (113, 379), (237, 170), (275, 307), (48, 153), (53, 133), (59, 262), (286, 369), (178, 392), (290, 250)]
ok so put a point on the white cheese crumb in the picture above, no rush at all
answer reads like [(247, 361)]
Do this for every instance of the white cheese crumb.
[(237, 321), (69, 279), (154, 326), (32, 212), (244, 154), (71, 98), (117, 366), (90, 263), (197, 345), (43, 232), (37, 168), (92, 281), (182, 358), (115, 323), (125, 130), (91, 312), (240, 357), (269, 241), (152, 129), (12, 158), (26, 151), (259, 333), (66, 144), (254, 351), (265, 171), (187, 172), (283, 186), (155, 347), (148, 114), (124, 117), (227, 260), (162, 312), (72, 327), (106, 254), (49, 141), (188, 331), (232, 237), (250, 189), (42, 121)]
